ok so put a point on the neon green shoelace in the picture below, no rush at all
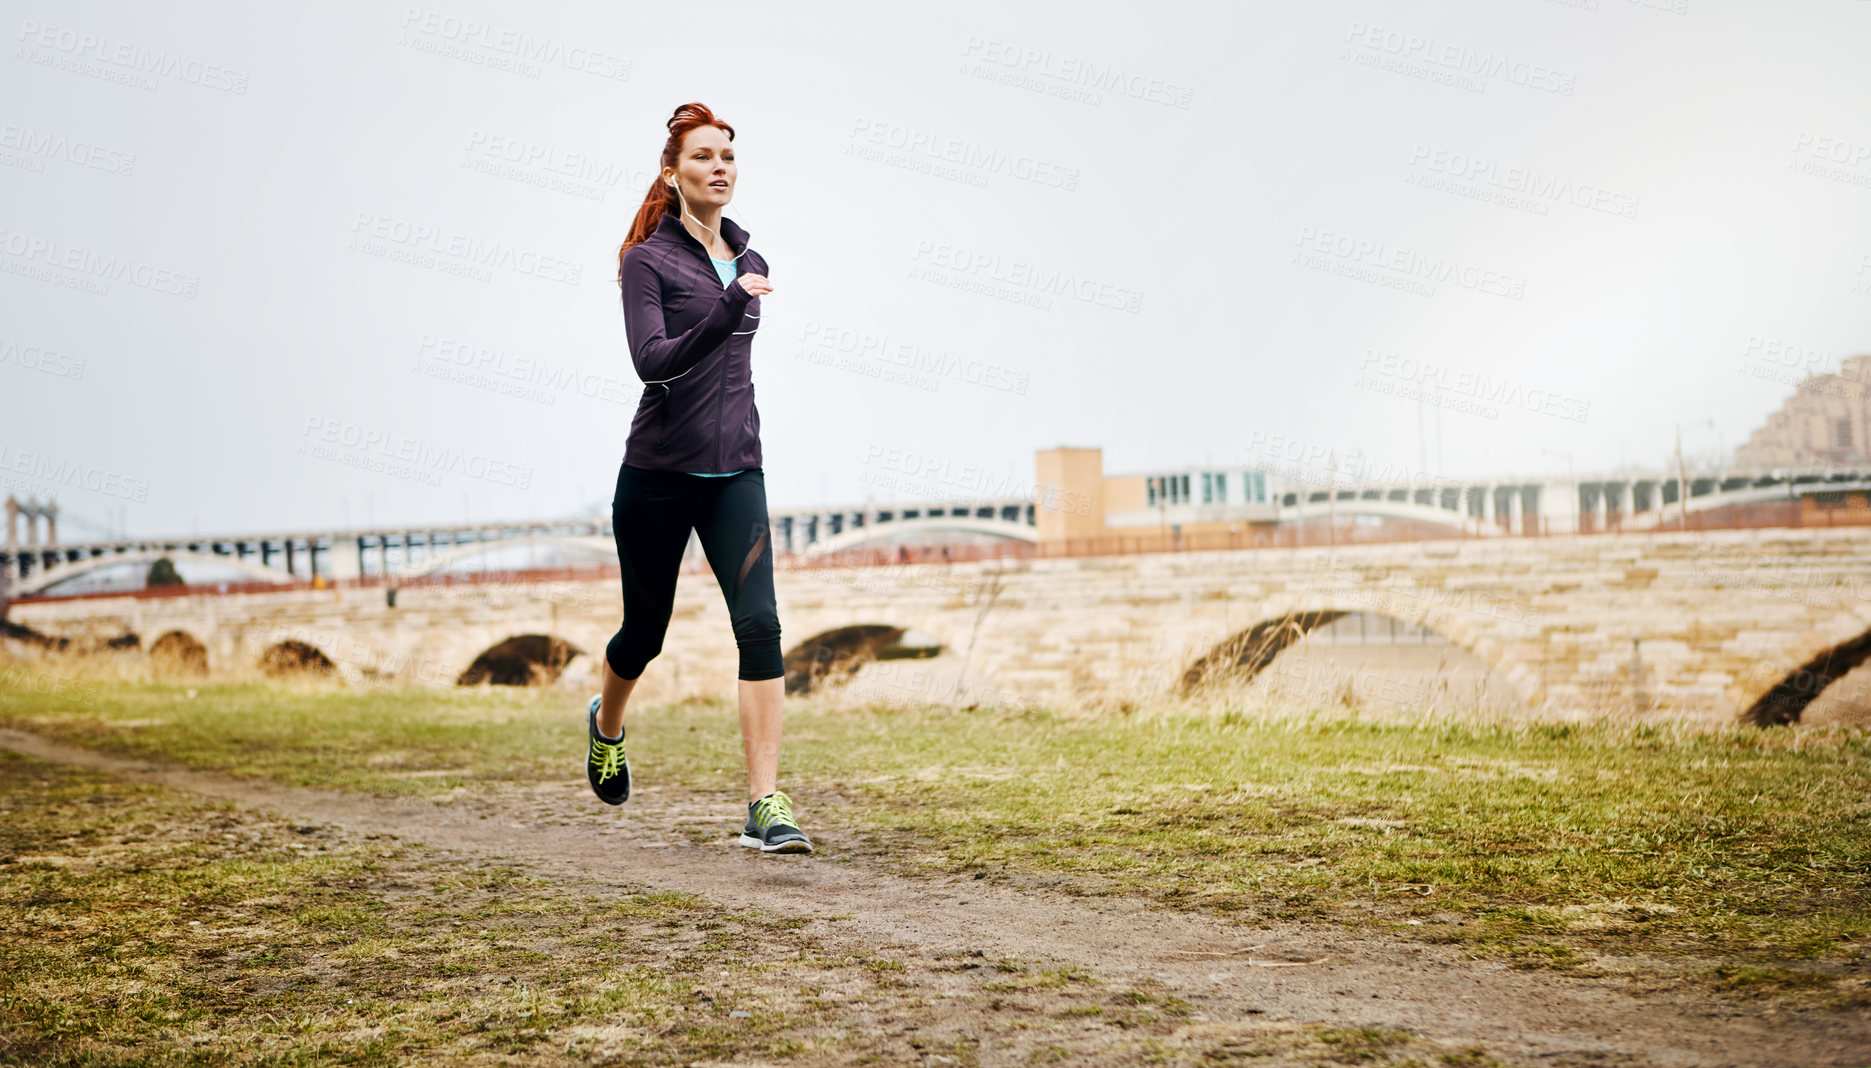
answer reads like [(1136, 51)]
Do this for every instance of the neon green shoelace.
[(774, 808), (608, 757)]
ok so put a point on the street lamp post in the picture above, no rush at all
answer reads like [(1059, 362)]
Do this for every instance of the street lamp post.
[(1570, 477)]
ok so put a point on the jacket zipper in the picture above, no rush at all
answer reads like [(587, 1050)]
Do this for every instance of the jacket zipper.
[(721, 389), (721, 392)]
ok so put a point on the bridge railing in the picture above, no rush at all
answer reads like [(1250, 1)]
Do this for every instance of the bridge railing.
[(879, 556), (364, 582), (1851, 511), (1848, 512), (694, 564)]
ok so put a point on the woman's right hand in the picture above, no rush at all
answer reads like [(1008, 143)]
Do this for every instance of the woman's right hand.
[(755, 284)]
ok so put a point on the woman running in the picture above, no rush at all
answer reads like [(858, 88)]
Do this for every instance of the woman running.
[(691, 289)]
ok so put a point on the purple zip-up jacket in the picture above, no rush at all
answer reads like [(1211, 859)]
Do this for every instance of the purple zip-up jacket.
[(691, 340)]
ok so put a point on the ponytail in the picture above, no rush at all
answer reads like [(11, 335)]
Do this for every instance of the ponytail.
[(661, 200)]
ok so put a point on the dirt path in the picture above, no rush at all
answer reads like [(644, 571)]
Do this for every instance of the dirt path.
[(1229, 971)]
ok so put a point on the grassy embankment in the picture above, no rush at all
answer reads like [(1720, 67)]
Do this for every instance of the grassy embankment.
[(1744, 851), (143, 927)]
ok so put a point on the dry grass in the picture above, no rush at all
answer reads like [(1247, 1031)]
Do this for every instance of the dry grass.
[(140, 927), (1546, 843)]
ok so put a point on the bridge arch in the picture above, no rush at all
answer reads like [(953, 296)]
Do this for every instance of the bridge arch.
[(556, 547), (830, 657), (44, 581), (1241, 656), (1387, 505), (295, 657), (876, 532), (522, 660), (179, 653), (1786, 700)]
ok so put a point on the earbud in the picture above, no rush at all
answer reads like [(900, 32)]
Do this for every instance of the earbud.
[(705, 226)]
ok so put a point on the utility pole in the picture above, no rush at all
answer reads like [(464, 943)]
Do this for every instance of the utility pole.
[(1439, 467), (1422, 451), (1331, 500), (1577, 524), (1682, 484), (1162, 504), (1637, 678)]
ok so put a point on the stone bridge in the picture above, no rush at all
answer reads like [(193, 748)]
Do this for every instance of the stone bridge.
[(1718, 625)]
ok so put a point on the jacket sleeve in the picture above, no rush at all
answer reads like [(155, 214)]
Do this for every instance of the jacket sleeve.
[(657, 356)]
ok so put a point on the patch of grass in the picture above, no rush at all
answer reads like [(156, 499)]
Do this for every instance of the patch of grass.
[(1320, 1045), (141, 927), (379, 739), (1040, 979), (1544, 840), (1741, 976), (1550, 839), (1352, 1045)]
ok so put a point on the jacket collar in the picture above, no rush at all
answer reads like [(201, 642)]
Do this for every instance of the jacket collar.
[(671, 228)]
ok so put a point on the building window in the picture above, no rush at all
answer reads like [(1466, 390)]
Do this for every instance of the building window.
[(1174, 489), (1842, 433), (1208, 488), (1260, 486)]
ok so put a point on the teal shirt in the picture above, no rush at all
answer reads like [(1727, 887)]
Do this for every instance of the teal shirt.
[(724, 268)]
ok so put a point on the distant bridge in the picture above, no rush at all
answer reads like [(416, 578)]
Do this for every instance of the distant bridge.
[(286, 557), (1504, 506), (1721, 624), (1440, 507)]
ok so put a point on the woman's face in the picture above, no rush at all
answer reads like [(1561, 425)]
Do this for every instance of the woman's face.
[(705, 168)]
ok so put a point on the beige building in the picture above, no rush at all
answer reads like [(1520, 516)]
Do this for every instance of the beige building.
[(1080, 508), (1826, 421)]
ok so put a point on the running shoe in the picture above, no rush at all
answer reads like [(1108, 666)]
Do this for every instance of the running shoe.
[(772, 827), (605, 764)]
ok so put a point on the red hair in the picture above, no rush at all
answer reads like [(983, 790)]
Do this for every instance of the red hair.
[(661, 200)]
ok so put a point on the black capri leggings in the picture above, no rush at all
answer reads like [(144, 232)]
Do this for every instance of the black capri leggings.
[(651, 515)]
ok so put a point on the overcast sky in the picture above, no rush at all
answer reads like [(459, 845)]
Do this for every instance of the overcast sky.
[(276, 268)]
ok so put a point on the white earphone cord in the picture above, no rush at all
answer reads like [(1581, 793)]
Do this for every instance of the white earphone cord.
[(737, 255), (677, 186)]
